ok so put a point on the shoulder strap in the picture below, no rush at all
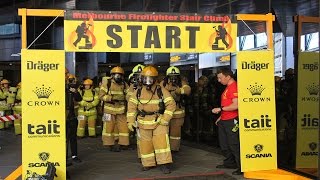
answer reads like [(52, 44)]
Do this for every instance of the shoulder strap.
[(159, 92), (108, 85), (82, 93), (138, 93)]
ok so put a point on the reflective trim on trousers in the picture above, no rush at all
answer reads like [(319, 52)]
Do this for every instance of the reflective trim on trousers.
[(123, 134), (144, 156), (158, 151), (115, 109), (179, 112), (175, 138), (107, 134)]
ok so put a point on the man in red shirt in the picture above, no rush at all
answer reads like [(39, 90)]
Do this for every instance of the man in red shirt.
[(228, 122)]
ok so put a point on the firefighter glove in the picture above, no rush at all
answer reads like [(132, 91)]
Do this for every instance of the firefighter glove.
[(131, 126)]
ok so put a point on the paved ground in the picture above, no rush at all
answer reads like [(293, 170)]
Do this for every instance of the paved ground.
[(99, 163)]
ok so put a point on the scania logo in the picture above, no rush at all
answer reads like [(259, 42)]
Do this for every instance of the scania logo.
[(256, 91), (44, 156), (258, 148)]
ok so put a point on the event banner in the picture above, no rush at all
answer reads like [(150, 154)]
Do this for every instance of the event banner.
[(43, 112), (308, 110), (105, 31), (257, 112)]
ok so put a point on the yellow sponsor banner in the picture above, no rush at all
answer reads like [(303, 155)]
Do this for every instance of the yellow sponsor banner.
[(43, 112), (308, 110), (135, 32), (257, 113)]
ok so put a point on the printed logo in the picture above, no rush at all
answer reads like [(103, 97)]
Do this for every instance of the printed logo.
[(313, 91), (254, 66), (313, 148), (311, 67), (308, 122), (260, 124), (258, 148), (256, 91), (50, 129), (43, 92), (46, 67), (44, 157), (221, 33), (83, 31)]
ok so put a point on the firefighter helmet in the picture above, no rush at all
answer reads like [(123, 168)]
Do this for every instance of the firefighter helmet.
[(138, 69), (117, 70), (173, 71), (130, 76), (88, 82), (289, 71), (71, 76), (4, 81), (149, 71)]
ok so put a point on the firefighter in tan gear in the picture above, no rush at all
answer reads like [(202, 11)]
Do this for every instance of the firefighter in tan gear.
[(114, 96), (153, 107), (5, 105), (178, 89), (17, 110), (87, 109), (134, 85)]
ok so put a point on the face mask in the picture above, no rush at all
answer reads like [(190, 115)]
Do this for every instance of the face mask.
[(148, 82), (117, 78)]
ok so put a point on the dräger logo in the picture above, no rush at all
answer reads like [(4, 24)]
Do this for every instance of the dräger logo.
[(258, 148), (262, 124), (43, 156), (51, 129), (309, 122), (43, 93), (313, 91), (311, 67), (42, 66), (256, 91), (313, 152), (255, 66)]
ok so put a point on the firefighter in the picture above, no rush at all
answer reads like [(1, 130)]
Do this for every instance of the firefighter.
[(17, 110), (178, 89), (87, 109), (5, 108), (136, 83), (153, 107), (114, 96), (99, 112)]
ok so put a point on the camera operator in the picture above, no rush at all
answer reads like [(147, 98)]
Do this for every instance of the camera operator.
[(72, 97)]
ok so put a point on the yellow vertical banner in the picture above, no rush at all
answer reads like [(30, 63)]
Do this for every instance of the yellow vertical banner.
[(308, 110), (257, 113), (43, 112)]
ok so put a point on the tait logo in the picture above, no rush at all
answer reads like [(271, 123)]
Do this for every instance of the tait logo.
[(51, 129), (258, 148), (261, 124), (254, 66), (256, 91), (308, 122)]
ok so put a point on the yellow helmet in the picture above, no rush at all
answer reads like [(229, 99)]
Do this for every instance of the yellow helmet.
[(88, 82), (173, 71), (289, 71), (71, 76), (117, 69), (130, 76), (4, 81), (149, 71), (138, 68)]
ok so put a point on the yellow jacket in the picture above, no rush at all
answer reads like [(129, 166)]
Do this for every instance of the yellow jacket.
[(114, 97), (89, 102), (176, 93), (149, 102)]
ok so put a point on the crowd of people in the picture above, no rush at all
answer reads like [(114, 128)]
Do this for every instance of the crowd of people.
[(155, 111)]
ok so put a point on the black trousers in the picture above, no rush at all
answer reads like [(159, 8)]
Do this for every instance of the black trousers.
[(229, 143), (71, 128)]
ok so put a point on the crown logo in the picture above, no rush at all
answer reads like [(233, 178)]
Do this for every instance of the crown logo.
[(256, 89), (313, 89), (43, 92)]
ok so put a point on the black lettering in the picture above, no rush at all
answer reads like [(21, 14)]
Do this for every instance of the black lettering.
[(56, 127), (255, 123), (30, 127), (117, 40), (152, 37), (173, 33), (192, 35), (246, 121), (41, 129), (134, 35)]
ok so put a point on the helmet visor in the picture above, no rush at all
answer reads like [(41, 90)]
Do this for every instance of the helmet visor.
[(147, 80)]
